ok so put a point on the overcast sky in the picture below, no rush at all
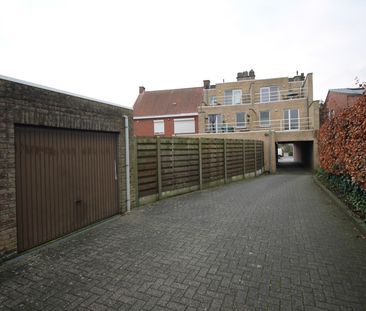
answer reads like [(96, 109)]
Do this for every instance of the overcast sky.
[(107, 49)]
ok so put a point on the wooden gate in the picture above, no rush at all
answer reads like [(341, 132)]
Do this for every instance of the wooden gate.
[(65, 179)]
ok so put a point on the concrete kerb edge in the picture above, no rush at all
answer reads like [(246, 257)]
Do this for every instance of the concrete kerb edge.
[(361, 225)]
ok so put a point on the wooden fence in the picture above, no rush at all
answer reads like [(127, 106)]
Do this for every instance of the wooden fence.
[(171, 166)]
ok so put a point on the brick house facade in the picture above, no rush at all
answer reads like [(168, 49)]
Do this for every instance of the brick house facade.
[(276, 111), (338, 99), (167, 112), (251, 104)]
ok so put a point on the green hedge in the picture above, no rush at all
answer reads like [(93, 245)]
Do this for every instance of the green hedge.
[(349, 191)]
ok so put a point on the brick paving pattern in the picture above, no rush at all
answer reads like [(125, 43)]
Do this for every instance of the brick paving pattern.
[(271, 243)]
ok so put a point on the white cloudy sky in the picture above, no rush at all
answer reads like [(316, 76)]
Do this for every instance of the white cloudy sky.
[(107, 49)]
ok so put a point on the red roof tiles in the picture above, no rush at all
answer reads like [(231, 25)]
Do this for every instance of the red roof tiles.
[(168, 102)]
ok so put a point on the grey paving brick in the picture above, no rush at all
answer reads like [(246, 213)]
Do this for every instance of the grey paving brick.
[(271, 243)]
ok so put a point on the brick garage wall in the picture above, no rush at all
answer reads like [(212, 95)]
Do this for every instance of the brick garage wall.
[(21, 103)]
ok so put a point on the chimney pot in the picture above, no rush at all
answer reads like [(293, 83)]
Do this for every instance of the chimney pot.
[(141, 89), (206, 84)]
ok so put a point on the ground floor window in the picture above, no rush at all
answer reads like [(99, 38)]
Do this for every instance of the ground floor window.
[(159, 127), (184, 126)]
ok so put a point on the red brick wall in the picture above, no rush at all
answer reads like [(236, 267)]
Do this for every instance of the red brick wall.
[(143, 127), (338, 101), (146, 127)]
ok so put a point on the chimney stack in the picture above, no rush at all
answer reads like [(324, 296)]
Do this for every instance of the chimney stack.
[(245, 75), (206, 84), (141, 89)]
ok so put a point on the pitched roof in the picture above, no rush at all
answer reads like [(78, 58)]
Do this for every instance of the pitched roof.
[(168, 102), (349, 91)]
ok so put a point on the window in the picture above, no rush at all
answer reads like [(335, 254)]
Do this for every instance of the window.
[(331, 114), (213, 101), (215, 123), (184, 126), (291, 119), (264, 119), (269, 94), (232, 97), (158, 127), (240, 119), (236, 97)]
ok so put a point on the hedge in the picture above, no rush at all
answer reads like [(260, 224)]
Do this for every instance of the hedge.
[(342, 143)]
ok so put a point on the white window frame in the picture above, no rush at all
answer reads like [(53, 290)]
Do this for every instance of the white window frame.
[(269, 119), (216, 125), (213, 101), (291, 121), (269, 94), (237, 97), (261, 91), (184, 120), (231, 99), (244, 123), (159, 127)]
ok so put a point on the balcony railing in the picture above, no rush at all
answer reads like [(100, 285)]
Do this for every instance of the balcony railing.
[(293, 124), (270, 97), (280, 95), (245, 99)]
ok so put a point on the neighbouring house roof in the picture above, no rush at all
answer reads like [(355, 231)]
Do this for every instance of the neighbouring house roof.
[(349, 91), (168, 102)]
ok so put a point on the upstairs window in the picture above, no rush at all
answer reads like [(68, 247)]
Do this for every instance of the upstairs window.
[(269, 94), (213, 101), (232, 97)]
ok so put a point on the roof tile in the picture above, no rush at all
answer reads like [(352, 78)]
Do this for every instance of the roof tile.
[(168, 102)]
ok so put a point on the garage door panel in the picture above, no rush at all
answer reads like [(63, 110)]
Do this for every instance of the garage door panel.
[(65, 181)]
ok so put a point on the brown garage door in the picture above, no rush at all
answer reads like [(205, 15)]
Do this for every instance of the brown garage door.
[(65, 180)]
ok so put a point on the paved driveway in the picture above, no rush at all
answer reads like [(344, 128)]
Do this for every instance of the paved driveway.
[(271, 243)]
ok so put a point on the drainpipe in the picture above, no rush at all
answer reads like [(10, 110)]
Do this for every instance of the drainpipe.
[(127, 156)]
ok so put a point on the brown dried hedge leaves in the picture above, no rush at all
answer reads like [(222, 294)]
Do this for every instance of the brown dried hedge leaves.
[(342, 143)]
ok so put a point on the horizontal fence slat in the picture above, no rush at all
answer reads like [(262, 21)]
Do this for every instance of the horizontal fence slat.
[(191, 163)]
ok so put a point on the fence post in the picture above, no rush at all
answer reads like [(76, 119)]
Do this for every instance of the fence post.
[(159, 167), (225, 162), (200, 161), (136, 173), (255, 158), (262, 145), (243, 158)]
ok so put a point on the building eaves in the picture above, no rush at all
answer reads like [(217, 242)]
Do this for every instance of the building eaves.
[(349, 91)]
